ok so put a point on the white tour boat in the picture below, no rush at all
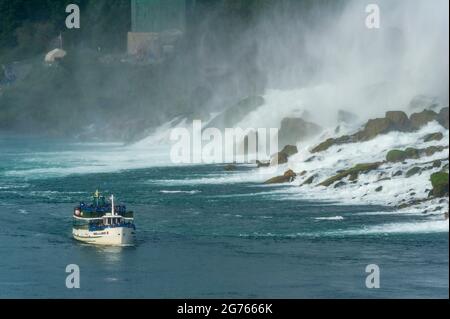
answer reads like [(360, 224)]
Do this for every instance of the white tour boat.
[(103, 223)]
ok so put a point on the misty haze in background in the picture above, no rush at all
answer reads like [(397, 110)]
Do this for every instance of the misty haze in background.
[(304, 57)]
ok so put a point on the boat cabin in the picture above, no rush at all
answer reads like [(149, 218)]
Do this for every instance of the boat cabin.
[(112, 220)]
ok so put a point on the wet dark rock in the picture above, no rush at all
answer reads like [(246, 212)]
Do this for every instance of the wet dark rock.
[(310, 159), (421, 119), (353, 176), (279, 158), (356, 170), (230, 167), (398, 173), (439, 181), (412, 153), (339, 184), (379, 189), (287, 177), (413, 202), (331, 142), (399, 121), (262, 164), (433, 137), (413, 171), (309, 180), (433, 149), (443, 117), (373, 128), (437, 163), (395, 156), (290, 150), (282, 156)]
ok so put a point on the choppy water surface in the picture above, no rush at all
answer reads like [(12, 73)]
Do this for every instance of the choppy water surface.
[(202, 232)]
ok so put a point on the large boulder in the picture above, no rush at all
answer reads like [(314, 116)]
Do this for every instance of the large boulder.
[(287, 177), (439, 181), (393, 121), (279, 158), (443, 117), (399, 121), (399, 156), (394, 156), (412, 153), (282, 156), (421, 119), (294, 129), (433, 137), (374, 128), (289, 150)]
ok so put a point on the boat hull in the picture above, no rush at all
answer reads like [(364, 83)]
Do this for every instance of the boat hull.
[(117, 236)]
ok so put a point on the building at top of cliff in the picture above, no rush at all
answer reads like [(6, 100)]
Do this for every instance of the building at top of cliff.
[(156, 26)]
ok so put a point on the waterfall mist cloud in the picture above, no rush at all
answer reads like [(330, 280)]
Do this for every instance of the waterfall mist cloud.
[(341, 64)]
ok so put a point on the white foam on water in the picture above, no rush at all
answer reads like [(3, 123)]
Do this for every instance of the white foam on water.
[(214, 179), (103, 159), (180, 192), (330, 218), (432, 226)]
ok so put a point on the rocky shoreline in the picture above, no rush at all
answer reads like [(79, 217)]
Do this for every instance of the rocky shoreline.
[(412, 175)]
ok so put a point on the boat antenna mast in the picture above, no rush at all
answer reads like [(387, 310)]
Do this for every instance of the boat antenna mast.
[(96, 196), (112, 205)]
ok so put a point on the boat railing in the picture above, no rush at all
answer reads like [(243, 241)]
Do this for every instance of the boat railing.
[(103, 227)]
